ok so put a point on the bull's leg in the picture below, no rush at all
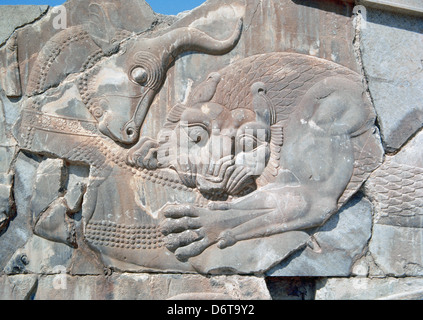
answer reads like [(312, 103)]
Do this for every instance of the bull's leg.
[(54, 201)]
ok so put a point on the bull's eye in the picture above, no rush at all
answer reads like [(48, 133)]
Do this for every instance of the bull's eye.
[(130, 132), (139, 75)]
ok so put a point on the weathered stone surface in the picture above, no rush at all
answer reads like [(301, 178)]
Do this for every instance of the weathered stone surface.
[(9, 112), (285, 288), (10, 74), (12, 17), (39, 256), (142, 212), (2, 125), (151, 287), (398, 251), (152, 157), (20, 230), (334, 247), (370, 289), (19, 287), (413, 7), (400, 113), (5, 177), (5, 204), (396, 191), (396, 188), (47, 185), (412, 153), (50, 205), (85, 20)]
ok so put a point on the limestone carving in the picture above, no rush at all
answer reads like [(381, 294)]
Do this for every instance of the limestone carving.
[(398, 190), (119, 92), (12, 82), (261, 153), (87, 121), (283, 139)]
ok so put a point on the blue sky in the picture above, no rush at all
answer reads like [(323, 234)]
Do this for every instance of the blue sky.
[(159, 6)]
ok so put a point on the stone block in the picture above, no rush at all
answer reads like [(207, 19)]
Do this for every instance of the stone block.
[(335, 247), (19, 287), (413, 7), (39, 256), (396, 188), (395, 78), (48, 185), (20, 230), (396, 191), (126, 286), (397, 251), (12, 17), (360, 288), (235, 151)]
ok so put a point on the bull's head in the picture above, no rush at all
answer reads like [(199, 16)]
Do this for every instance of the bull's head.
[(119, 79), (121, 90)]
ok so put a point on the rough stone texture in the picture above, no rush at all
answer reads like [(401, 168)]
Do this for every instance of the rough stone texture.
[(396, 190), (413, 7), (20, 230), (13, 17), (294, 102), (40, 256), (19, 287), (400, 113), (6, 178), (360, 288), (285, 288), (335, 247), (398, 251), (82, 106), (151, 287), (126, 286)]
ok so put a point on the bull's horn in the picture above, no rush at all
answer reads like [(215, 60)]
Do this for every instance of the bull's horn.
[(191, 39)]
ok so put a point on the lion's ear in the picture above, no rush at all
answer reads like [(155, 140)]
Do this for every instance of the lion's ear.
[(262, 105)]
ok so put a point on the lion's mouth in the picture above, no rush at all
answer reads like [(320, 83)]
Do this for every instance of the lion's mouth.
[(239, 180), (223, 178)]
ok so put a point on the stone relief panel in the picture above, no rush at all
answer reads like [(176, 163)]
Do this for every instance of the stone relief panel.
[(262, 150)]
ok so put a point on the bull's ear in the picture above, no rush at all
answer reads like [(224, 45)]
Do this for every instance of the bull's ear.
[(101, 28), (175, 114)]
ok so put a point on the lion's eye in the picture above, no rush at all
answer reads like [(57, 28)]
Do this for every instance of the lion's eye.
[(139, 75), (197, 134)]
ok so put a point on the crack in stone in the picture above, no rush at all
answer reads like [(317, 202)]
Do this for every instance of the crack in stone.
[(42, 15)]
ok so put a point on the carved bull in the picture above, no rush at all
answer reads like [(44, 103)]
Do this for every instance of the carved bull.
[(141, 212), (87, 112), (119, 92)]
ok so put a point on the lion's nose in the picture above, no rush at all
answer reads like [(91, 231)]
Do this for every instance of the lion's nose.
[(221, 146)]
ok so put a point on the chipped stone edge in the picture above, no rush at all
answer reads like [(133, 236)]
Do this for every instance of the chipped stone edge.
[(393, 5), (44, 9)]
